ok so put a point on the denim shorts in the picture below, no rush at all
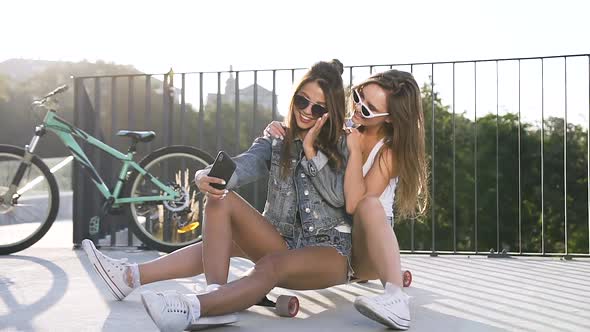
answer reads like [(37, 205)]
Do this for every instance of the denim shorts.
[(340, 241)]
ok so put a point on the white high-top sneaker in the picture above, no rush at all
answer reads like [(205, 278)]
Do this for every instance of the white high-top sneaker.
[(112, 271), (172, 311), (392, 308)]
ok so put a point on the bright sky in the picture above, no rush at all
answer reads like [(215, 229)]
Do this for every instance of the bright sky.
[(211, 35)]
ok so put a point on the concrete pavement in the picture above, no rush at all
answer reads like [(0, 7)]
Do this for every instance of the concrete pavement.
[(51, 287)]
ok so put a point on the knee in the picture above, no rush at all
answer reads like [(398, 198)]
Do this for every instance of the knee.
[(368, 207), (369, 211), (213, 204), (268, 267)]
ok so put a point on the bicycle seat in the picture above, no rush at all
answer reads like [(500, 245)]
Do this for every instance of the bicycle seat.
[(141, 136)]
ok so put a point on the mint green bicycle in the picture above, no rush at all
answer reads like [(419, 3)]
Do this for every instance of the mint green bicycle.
[(164, 206)]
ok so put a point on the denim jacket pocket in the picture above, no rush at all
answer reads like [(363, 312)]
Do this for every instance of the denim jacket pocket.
[(280, 189), (275, 178), (286, 229)]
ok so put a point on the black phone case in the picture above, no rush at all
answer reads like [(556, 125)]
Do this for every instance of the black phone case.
[(222, 168)]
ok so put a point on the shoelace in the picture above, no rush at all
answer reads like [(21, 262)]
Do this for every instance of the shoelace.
[(176, 303), (121, 261), (388, 299), (115, 263)]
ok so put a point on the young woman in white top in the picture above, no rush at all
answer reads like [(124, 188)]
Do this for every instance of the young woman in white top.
[(387, 156), (387, 163)]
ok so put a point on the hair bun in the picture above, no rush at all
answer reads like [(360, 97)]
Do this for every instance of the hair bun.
[(330, 71), (338, 65)]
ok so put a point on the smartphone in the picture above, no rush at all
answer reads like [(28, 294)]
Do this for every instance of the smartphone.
[(222, 168)]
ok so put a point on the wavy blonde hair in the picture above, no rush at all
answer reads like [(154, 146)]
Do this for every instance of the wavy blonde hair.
[(405, 137)]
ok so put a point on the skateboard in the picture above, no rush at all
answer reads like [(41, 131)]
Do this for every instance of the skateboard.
[(406, 276), (285, 306)]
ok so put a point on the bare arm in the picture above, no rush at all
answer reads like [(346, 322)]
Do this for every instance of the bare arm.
[(356, 187)]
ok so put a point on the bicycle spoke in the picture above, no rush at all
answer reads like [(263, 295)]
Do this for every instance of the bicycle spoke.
[(176, 222), (23, 214)]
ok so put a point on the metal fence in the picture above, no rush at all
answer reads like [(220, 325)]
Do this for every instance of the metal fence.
[(507, 142)]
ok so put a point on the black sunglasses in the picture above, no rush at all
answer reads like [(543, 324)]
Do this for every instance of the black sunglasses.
[(302, 103)]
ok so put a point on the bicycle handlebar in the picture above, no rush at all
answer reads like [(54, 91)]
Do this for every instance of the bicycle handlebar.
[(58, 90)]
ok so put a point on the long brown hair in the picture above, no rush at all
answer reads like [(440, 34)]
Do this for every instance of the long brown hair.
[(328, 75), (404, 135)]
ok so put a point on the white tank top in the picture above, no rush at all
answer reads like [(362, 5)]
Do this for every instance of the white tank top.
[(389, 193)]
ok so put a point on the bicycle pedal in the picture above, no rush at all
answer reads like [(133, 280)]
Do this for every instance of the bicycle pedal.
[(94, 225), (188, 228)]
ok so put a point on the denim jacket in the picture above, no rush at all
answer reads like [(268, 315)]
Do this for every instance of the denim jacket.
[(311, 188)]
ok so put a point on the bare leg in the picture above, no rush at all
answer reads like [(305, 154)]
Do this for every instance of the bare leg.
[(182, 263), (306, 268), (232, 220), (232, 227), (189, 262), (375, 253)]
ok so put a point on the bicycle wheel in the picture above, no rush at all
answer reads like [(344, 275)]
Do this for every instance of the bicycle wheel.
[(167, 226), (28, 213)]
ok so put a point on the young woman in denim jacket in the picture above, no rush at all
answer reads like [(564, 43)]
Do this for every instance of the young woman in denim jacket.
[(295, 243), (386, 156)]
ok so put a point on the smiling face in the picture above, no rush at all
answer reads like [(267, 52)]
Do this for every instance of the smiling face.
[(374, 98), (304, 117), (320, 91)]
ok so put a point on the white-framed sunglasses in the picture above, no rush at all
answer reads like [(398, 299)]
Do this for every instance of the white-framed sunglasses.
[(365, 111)]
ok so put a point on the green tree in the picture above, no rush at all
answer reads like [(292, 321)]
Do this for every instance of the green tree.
[(487, 154)]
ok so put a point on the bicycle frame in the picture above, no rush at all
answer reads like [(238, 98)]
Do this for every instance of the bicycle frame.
[(68, 134)]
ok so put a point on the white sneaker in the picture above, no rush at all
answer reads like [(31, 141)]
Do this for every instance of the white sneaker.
[(392, 308), (172, 311), (112, 271)]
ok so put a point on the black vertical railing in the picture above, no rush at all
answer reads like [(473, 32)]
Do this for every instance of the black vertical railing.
[(218, 113), (565, 207), (182, 108), (454, 169), (475, 207), (475, 164), (237, 113), (519, 164), (433, 162), (542, 156)]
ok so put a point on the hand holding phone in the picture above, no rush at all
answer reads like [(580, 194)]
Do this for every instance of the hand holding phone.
[(223, 168)]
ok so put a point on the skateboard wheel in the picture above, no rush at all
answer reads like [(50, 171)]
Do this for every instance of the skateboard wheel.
[(407, 278), (287, 306)]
